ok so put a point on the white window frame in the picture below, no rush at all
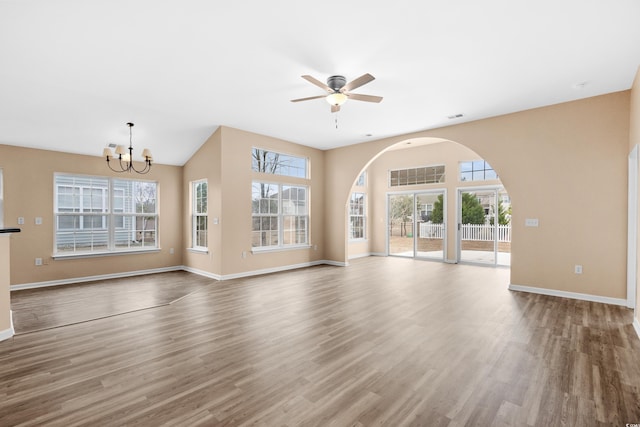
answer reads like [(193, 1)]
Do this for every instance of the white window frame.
[(353, 203), (197, 216), (111, 218), (281, 216)]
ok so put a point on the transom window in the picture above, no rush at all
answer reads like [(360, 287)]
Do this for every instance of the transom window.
[(199, 220), (280, 215), (477, 170), (98, 214), (274, 163), (362, 179), (416, 176)]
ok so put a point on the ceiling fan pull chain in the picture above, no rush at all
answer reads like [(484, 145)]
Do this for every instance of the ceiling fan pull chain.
[(336, 120)]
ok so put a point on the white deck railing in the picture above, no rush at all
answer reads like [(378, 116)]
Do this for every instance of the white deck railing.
[(478, 232)]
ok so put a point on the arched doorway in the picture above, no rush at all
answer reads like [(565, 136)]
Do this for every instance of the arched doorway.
[(412, 205)]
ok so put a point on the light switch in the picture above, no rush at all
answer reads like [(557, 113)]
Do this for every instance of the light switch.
[(38, 220), (531, 222)]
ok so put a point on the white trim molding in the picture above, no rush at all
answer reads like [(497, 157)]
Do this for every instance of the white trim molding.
[(173, 268), (636, 326), (362, 255), (8, 333), (571, 295), (202, 272), (281, 268), (69, 281)]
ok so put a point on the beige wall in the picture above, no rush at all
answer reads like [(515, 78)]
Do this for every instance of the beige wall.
[(232, 149), (28, 193), (204, 164), (634, 139), (565, 165), (436, 152)]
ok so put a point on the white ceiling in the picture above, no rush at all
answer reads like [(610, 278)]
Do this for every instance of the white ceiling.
[(73, 72)]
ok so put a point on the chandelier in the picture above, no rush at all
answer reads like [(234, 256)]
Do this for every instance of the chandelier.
[(125, 159)]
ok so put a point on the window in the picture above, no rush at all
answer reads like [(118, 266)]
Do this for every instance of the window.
[(361, 180), (357, 209), (278, 164), (97, 214), (415, 176), (280, 215), (199, 219), (477, 170)]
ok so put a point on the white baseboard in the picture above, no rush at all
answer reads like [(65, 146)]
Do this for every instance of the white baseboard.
[(571, 295), (173, 268), (93, 278), (362, 255), (8, 333), (379, 254), (202, 272), (636, 326), (281, 268), (450, 261)]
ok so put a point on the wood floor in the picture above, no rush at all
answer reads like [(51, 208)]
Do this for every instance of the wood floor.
[(385, 341), (38, 309)]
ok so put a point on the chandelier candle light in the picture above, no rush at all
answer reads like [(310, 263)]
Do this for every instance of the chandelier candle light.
[(126, 159)]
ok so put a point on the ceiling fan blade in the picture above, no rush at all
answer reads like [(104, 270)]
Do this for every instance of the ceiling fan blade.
[(362, 80), (317, 82), (335, 108), (367, 98), (309, 98)]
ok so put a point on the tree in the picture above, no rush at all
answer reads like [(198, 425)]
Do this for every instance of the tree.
[(504, 215), (265, 161), (472, 210), (402, 209), (437, 214)]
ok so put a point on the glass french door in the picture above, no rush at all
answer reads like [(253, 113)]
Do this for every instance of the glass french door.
[(416, 225), (484, 226)]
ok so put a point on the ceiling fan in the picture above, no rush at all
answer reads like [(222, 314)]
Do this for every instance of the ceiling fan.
[(339, 90)]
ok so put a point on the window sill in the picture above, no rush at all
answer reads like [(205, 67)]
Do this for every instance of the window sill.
[(198, 250), (101, 254), (358, 240), (279, 249)]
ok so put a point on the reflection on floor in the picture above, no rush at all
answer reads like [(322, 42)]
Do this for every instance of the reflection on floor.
[(483, 257), (55, 306)]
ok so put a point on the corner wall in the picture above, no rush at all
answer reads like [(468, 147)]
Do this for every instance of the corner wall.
[(225, 160)]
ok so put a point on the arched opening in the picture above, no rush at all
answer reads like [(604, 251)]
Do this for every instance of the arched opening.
[(429, 198)]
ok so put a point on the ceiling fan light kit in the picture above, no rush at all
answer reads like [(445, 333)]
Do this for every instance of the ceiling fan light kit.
[(339, 90)]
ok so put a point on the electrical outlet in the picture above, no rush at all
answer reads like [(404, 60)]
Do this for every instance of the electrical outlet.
[(577, 269), (171, 251), (38, 261), (38, 220), (244, 254), (20, 220)]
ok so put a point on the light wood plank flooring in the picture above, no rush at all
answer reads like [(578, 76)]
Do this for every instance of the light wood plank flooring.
[(385, 341), (52, 307)]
